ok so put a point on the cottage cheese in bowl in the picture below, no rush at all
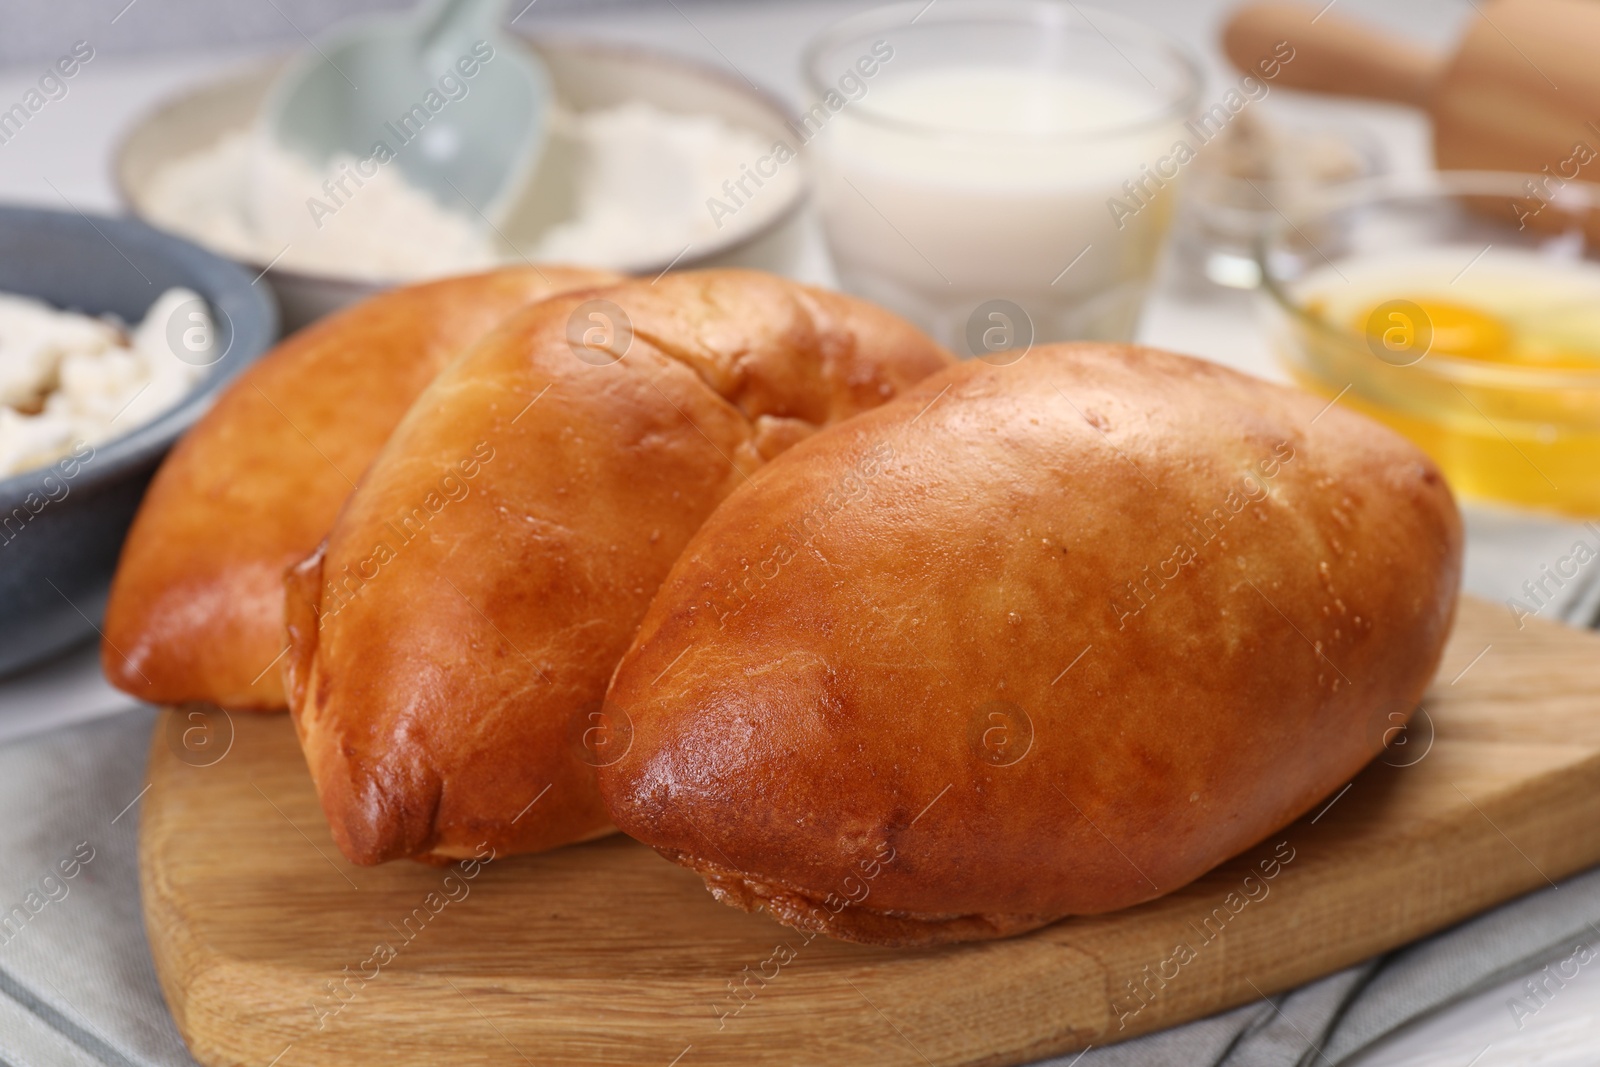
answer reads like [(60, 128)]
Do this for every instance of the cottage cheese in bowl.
[(68, 379)]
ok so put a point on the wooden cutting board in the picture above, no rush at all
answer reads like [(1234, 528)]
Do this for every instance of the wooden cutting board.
[(605, 954)]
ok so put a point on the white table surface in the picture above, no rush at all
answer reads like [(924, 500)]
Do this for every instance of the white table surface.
[(62, 160)]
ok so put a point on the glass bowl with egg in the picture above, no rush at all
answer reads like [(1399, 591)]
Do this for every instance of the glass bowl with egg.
[(1462, 309), (654, 162)]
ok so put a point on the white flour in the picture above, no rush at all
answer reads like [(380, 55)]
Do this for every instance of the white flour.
[(644, 177), (637, 180)]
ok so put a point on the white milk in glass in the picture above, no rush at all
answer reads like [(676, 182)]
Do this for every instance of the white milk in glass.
[(953, 187)]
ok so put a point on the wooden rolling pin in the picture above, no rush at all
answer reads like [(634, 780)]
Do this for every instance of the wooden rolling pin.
[(1521, 92)]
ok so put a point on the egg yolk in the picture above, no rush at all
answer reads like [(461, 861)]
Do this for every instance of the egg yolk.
[(1458, 330)]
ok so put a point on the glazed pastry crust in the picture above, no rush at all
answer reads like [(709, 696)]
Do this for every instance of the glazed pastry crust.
[(196, 609), (446, 677), (841, 917), (1058, 636)]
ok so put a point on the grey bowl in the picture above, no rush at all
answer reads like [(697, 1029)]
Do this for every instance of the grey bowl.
[(60, 534)]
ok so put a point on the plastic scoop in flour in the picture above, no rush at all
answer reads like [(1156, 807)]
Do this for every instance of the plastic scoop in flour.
[(440, 92)]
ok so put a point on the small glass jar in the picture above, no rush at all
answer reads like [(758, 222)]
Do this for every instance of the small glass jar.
[(1256, 170)]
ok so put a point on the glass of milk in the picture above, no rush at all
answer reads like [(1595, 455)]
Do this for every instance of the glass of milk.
[(1000, 172)]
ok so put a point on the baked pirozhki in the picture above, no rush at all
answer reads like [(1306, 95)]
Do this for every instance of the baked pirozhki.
[(451, 646), (1032, 641), (196, 609)]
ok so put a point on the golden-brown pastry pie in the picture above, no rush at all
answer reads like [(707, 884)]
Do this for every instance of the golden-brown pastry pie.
[(1031, 641), (451, 646), (196, 609)]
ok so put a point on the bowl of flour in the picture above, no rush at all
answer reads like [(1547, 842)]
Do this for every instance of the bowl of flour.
[(654, 162)]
